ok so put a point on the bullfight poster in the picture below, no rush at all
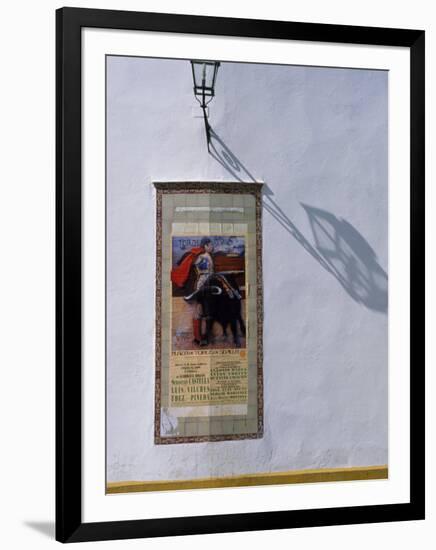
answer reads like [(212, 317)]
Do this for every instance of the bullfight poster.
[(209, 381)]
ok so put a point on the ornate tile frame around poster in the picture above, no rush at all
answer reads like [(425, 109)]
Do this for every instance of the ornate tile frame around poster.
[(163, 188)]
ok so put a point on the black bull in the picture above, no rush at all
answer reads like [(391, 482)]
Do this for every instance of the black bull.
[(221, 304)]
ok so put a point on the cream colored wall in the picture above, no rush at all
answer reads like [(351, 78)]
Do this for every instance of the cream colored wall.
[(318, 139)]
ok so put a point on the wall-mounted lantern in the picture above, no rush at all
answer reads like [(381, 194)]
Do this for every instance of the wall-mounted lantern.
[(204, 74)]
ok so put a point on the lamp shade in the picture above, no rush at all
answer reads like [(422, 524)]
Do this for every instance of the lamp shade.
[(204, 75)]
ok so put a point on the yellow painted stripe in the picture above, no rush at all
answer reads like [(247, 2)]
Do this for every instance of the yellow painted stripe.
[(274, 478)]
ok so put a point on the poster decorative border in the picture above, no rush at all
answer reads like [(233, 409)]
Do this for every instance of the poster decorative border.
[(237, 187)]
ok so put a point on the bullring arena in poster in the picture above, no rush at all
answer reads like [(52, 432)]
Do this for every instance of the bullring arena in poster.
[(209, 383)]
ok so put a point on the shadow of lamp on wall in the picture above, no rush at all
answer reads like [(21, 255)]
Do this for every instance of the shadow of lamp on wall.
[(341, 250), (350, 258), (338, 247)]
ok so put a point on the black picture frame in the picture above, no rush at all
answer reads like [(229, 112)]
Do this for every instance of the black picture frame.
[(69, 525)]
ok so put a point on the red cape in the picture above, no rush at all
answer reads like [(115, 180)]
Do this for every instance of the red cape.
[(180, 273)]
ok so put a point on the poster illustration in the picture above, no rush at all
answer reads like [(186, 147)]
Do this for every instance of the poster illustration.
[(208, 315), (209, 305)]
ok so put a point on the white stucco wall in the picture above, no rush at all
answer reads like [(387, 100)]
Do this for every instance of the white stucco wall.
[(318, 139)]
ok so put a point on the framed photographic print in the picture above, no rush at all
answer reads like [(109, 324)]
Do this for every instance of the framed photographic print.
[(240, 274)]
